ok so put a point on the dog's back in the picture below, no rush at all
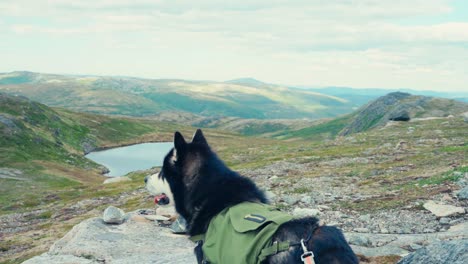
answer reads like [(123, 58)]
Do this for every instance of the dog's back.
[(327, 243)]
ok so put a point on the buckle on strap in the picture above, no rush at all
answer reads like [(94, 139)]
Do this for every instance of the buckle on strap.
[(308, 256)]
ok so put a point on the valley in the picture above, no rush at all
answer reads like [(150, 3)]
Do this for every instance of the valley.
[(362, 171)]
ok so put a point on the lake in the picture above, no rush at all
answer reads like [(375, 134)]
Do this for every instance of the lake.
[(123, 160)]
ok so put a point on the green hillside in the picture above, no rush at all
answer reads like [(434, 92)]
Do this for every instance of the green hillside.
[(146, 97), (43, 148), (378, 113)]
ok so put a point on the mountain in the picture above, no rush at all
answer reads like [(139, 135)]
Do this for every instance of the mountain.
[(245, 98), (396, 106)]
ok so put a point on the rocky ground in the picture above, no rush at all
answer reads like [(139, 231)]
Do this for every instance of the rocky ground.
[(393, 191), (321, 194)]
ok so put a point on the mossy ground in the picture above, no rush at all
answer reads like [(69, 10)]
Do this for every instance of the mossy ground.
[(409, 160)]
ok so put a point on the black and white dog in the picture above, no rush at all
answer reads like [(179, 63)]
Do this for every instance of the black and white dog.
[(200, 186)]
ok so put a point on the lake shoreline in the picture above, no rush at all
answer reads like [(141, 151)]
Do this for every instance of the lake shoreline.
[(119, 161)]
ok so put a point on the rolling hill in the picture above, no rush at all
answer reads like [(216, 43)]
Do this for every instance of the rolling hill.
[(42, 148), (244, 98)]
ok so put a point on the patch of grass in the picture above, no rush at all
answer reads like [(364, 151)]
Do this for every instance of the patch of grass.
[(328, 129), (449, 176), (463, 148), (302, 190)]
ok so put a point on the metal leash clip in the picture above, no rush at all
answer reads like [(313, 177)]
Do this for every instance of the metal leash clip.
[(308, 256)]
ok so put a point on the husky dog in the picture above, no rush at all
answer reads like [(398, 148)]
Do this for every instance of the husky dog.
[(201, 187)]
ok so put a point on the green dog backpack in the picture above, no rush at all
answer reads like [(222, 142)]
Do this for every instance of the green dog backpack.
[(242, 234)]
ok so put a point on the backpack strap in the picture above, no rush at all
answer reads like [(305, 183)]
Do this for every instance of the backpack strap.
[(273, 249), (199, 240), (196, 238)]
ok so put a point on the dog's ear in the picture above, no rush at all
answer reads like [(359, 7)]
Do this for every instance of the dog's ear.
[(199, 138), (179, 142)]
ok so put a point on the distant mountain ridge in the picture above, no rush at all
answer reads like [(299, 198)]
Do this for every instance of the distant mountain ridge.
[(243, 98)]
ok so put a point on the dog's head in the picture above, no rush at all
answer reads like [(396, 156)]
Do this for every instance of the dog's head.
[(180, 171)]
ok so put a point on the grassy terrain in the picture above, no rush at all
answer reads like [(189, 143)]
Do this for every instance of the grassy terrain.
[(46, 146), (51, 186)]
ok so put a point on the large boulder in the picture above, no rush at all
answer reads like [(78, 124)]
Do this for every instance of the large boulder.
[(93, 241), (442, 252)]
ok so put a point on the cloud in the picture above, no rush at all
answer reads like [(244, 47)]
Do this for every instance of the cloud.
[(321, 40)]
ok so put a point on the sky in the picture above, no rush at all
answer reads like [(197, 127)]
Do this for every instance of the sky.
[(417, 44)]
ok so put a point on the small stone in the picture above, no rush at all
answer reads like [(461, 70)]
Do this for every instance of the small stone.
[(384, 231), (444, 221), (156, 217), (463, 194), (290, 200), (272, 178), (179, 226), (271, 196), (303, 212), (358, 240), (323, 207), (113, 215), (415, 247), (441, 210), (361, 230), (365, 218), (307, 199)]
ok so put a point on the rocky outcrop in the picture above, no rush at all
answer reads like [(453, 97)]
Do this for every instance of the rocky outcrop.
[(399, 106), (442, 252), (137, 240)]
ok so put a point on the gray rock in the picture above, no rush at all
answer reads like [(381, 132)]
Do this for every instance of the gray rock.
[(399, 115), (303, 212), (156, 217), (307, 199), (415, 247), (444, 221), (92, 241), (463, 194), (442, 210), (290, 199), (271, 196), (361, 230), (113, 215), (359, 241), (179, 226), (449, 252)]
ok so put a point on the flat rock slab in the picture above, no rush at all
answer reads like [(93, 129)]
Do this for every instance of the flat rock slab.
[(373, 245), (93, 241), (442, 210)]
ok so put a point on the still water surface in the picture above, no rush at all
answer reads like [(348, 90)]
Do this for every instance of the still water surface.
[(123, 160)]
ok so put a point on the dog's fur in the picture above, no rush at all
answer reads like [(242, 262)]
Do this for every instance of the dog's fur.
[(201, 186)]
